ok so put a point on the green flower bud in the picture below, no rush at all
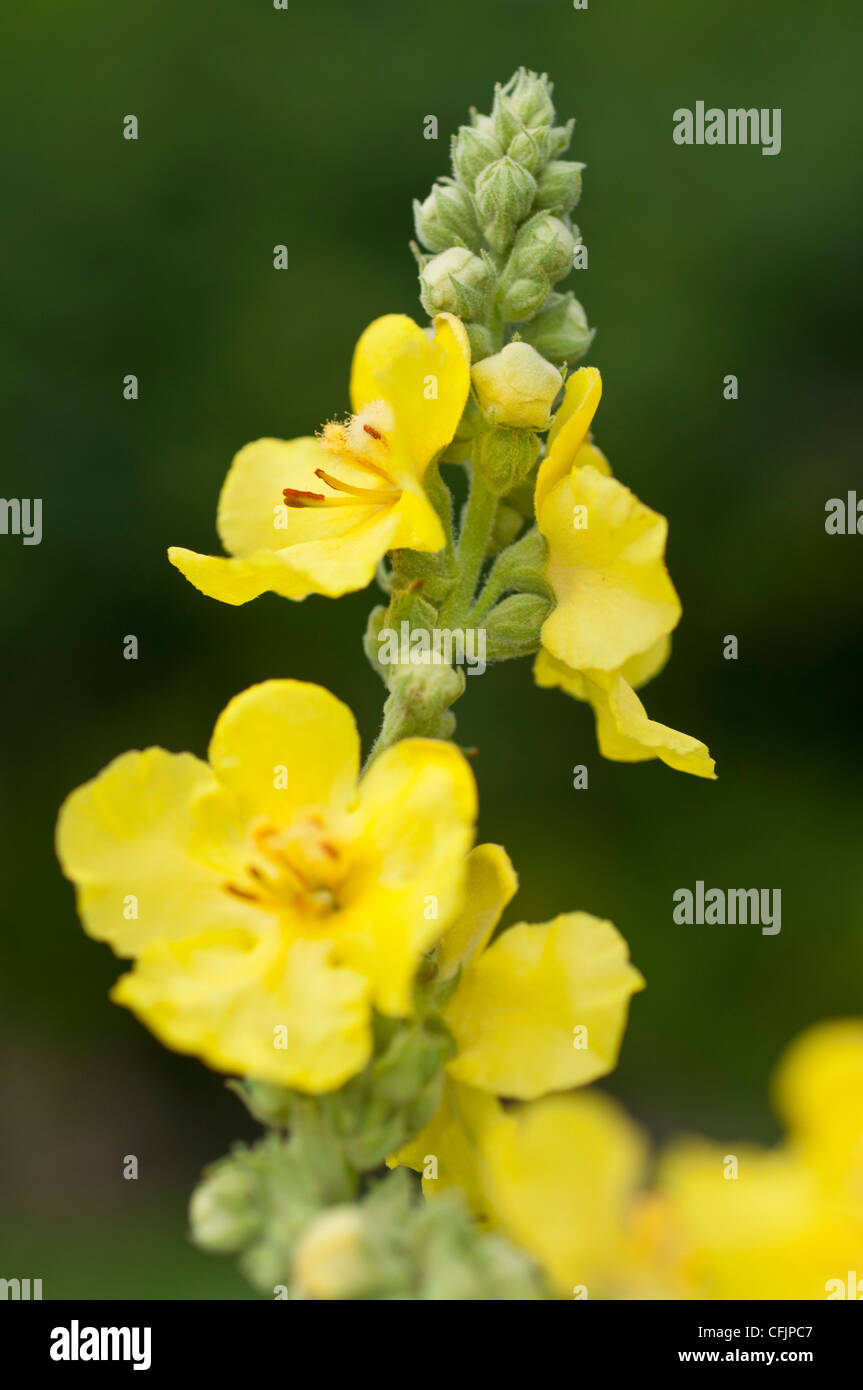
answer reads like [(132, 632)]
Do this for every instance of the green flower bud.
[(483, 123), (446, 218), (548, 242), (542, 253), (505, 121), (559, 186), (516, 387), (560, 138), (523, 565), (560, 331), (456, 282), (528, 96), (531, 149), (473, 148), (504, 457), (504, 195), (513, 626), (523, 297), (225, 1210)]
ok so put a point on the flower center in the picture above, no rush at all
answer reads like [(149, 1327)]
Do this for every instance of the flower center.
[(364, 442), (297, 867)]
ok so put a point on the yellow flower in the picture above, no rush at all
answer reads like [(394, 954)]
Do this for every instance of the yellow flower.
[(541, 1009), (818, 1091), (615, 603), (766, 1233), (316, 515), (268, 899), (736, 1221)]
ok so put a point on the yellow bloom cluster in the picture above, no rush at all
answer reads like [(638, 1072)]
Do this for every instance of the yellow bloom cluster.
[(271, 900), (566, 1178), (317, 515)]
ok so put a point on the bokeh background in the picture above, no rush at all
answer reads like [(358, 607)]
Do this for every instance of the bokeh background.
[(305, 127)]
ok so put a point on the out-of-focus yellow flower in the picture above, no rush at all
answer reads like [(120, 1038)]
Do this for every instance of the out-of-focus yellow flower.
[(562, 1175), (311, 515), (559, 1175), (735, 1221), (818, 1091), (615, 603), (268, 899), (542, 1009)]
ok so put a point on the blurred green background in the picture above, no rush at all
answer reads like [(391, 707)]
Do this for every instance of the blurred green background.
[(260, 127)]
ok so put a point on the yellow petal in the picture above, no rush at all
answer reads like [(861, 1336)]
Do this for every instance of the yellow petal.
[(614, 596), (264, 1008), (561, 1174), (412, 830), (818, 1090), (252, 516), (286, 731), (544, 1008), (626, 734), (340, 562), (624, 731), (425, 381), (765, 1233), (569, 430), (130, 840), (548, 672), (490, 885), (591, 456), (418, 524), (450, 1152)]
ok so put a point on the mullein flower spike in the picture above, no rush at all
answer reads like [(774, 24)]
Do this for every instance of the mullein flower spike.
[(328, 938)]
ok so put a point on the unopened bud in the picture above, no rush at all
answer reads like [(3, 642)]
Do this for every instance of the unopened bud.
[(329, 1259), (224, 1212), (504, 457), (473, 149), (523, 297), (446, 218), (504, 195), (559, 186), (542, 253), (547, 241), (528, 95), (513, 627), (516, 387), (531, 148), (560, 138), (560, 331), (456, 282)]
